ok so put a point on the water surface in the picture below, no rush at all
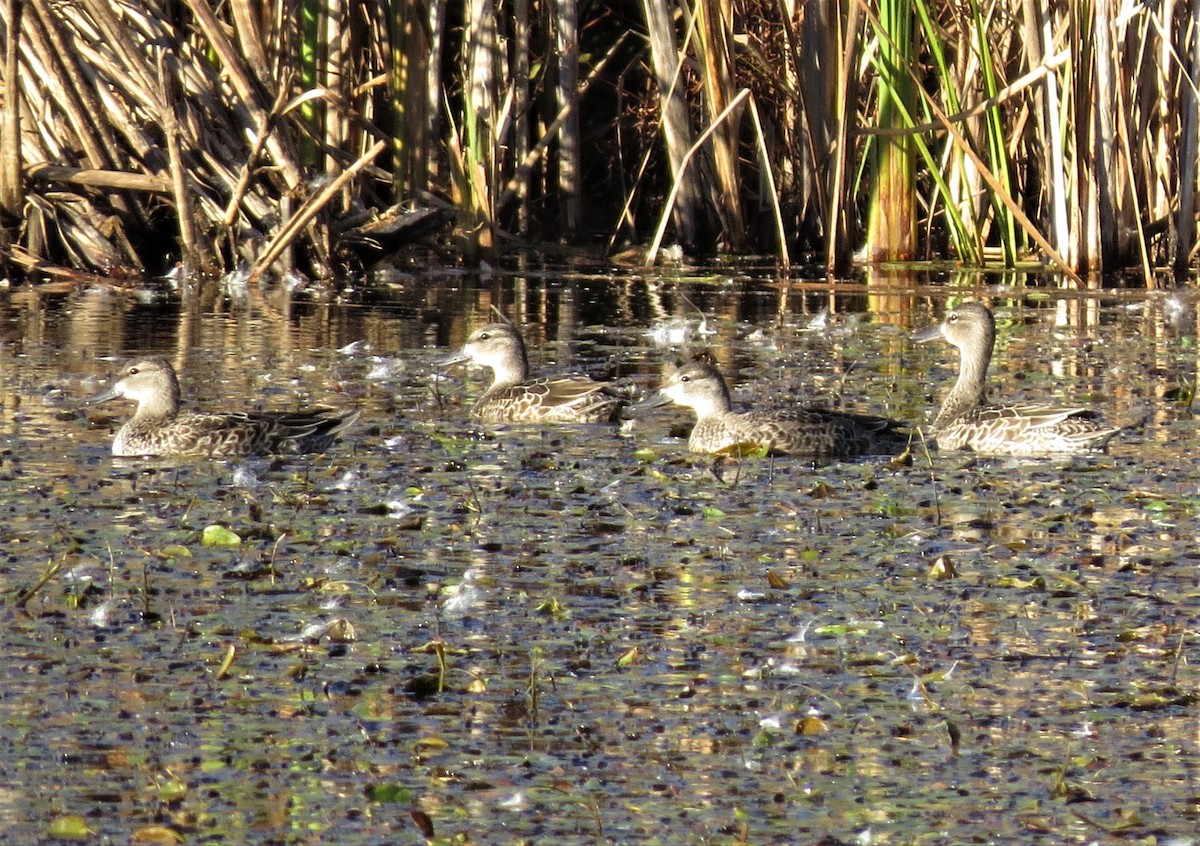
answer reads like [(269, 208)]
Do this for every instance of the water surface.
[(589, 635)]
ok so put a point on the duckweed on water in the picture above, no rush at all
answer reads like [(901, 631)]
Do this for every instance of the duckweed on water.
[(585, 636)]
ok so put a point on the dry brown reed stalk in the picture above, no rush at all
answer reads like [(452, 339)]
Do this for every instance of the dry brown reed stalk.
[(715, 33), (682, 178), (839, 242), (522, 103), (1039, 47), (136, 103), (415, 51), (892, 208), (566, 39), (1189, 155), (305, 215), (1086, 129), (10, 120), (688, 210)]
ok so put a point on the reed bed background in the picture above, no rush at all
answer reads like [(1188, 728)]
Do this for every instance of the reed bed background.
[(290, 137)]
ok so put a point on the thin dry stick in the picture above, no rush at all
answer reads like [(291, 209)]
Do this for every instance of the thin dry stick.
[(768, 174), (118, 179), (275, 555), (22, 598), (631, 196), (1003, 95), (515, 187), (247, 88), (260, 141), (168, 101), (304, 215), (1178, 655), (676, 186), (937, 504)]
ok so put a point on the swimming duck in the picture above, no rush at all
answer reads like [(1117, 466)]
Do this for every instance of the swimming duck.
[(967, 421), (513, 397), (158, 429), (811, 432)]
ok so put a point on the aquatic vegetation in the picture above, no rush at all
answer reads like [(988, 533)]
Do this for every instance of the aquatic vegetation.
[(553, 635)]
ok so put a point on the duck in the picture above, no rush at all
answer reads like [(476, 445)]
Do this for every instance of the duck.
[(967, 421), (514, 397), (808, 432), (157, 427)]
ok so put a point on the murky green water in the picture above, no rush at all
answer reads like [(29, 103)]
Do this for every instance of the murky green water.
[(631, 646)]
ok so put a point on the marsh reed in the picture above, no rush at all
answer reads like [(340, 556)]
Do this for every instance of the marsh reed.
[(272, 138)]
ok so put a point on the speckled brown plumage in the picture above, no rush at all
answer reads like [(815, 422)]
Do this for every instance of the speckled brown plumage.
[(811, 432), (157, 427), (967, 421), (515, 398)]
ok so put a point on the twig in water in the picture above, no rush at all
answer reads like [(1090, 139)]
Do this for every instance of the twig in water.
[(49, 573), (533, 689), (274, 554), (474, 497), (937, 504), (1178, 653)]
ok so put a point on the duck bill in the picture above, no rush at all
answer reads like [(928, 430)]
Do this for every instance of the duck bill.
[(929, 333), (455, 357), (107, 394), (653, 400)]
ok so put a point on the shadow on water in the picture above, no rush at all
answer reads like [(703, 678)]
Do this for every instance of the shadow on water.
[(579, 633)]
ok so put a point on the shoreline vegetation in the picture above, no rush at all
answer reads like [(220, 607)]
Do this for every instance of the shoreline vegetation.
[(299, 139)]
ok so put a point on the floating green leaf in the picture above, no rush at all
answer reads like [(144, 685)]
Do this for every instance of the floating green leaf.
[(70, 827), (390, 792), (218, 536), (170, 790)]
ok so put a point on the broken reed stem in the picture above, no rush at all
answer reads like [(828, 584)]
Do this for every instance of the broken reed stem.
[(168, 77), (296, 223), (246, 86), (22, 598), (265, 124), (116, 179)]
